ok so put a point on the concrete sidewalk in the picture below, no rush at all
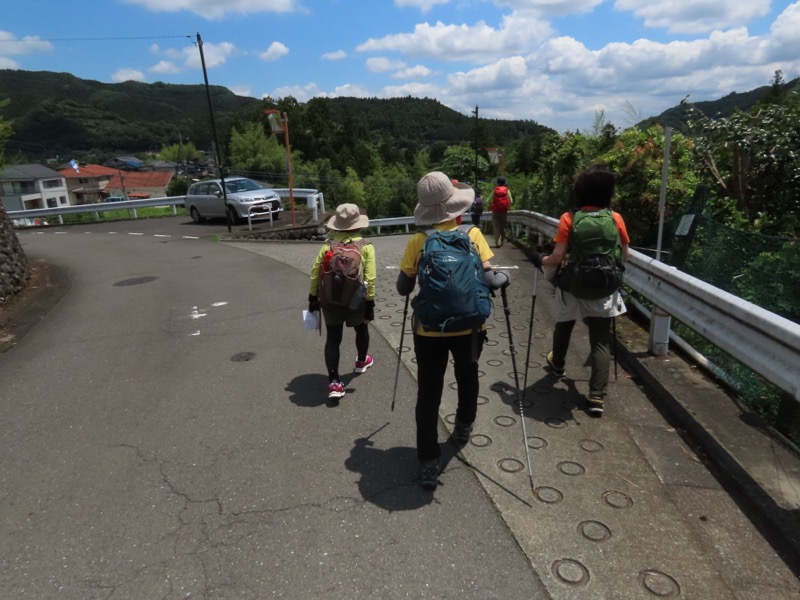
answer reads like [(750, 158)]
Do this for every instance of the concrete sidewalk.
[(627, 506)]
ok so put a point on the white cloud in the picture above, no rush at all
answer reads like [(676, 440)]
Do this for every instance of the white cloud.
[(413, 72), (479, 43), (785, 34), (381, 64), (214, 9), (241, 90), (275, 51), (13, 46), (302, 93), (7, 63), (697, 16), (337, 55), (122, 75), (215, 55), (164, 67)]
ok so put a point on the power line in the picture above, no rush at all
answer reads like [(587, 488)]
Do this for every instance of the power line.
[(95, 39)]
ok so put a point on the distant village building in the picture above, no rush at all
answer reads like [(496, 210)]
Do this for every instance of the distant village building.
[(32, 186)]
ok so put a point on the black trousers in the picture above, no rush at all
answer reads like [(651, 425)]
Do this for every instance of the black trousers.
[(432, 355)]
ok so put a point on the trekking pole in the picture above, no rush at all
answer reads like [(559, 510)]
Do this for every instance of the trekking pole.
[(530, 331), (614, 333), (399, 352), (507, 312)]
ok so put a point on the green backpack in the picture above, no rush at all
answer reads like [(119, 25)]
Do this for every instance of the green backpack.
[(595, 267)]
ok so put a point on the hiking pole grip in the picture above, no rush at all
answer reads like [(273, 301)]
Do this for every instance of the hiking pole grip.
[(400, 351)]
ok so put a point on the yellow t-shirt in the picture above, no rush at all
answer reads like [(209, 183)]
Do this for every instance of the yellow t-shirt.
[(410, 262)]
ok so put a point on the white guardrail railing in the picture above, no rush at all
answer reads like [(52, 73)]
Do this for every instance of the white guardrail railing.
[(312, 198), (763, 341)]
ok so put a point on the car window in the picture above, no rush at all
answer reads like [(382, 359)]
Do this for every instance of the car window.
[(241, 185)]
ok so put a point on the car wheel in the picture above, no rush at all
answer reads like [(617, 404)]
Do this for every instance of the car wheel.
[(195, 214), (233, 215)]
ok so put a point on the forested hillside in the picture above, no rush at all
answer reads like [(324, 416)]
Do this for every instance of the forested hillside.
[(57, 114)]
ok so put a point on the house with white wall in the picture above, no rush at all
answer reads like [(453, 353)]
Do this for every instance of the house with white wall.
[(31, 186)]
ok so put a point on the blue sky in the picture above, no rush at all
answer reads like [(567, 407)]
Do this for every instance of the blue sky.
[(558, 62)]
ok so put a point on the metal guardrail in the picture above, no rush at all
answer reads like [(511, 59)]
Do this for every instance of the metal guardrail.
[(77, 209), (763, 341)]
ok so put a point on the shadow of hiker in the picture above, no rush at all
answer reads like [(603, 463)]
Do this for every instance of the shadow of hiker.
[(390, 477), (542, 401), (309, 390)]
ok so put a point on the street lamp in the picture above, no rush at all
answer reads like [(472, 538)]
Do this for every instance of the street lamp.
[(280, 124)]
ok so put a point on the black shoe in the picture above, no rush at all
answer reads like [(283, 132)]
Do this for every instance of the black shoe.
[(554, 369), (595, 406), (429, 474), (461, 434)]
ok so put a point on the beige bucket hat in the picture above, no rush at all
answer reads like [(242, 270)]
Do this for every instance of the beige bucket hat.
[(347, 218), (440, 199)]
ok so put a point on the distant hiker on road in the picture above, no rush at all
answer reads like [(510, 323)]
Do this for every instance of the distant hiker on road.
[(343, 285), (476, 210), (500, 205), (449, 310), (590, 245)]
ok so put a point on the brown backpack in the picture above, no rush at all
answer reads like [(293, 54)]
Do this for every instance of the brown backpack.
[(341, 277)]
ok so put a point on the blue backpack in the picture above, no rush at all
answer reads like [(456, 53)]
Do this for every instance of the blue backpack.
[(453, 295)]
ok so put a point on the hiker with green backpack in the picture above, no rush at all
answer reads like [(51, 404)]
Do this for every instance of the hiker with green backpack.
[(591, 244), (451, 264)]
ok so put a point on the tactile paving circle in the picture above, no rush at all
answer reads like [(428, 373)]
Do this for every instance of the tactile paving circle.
[(555, 423), (591, 445), (617, 499), (571, 468), (510, 465), (594, 531), (480, 440), (549, 495), (659, 584), (536, 443), (504, 421), (571, 572)]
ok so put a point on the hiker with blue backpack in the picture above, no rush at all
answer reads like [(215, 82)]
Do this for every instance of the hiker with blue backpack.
[(451, 264), (591, 244), (343, 287)]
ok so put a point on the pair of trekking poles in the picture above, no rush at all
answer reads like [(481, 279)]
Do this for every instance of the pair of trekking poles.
[(519, 400), (520, 392)]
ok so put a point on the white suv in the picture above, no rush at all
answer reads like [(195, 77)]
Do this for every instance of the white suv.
[(245, 197)]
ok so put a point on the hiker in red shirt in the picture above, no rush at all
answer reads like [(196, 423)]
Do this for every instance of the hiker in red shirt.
[(500, 205)]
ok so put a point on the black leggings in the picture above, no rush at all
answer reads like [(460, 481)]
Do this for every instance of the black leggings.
[(432, 355), (334, 339)]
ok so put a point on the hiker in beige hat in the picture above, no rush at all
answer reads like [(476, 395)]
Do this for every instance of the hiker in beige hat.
[(441, 203), (343, 286)]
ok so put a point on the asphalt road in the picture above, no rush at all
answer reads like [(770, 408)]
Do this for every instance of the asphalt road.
[(166, 435)]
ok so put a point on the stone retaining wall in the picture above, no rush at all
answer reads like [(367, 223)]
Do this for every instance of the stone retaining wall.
[(14, 268)]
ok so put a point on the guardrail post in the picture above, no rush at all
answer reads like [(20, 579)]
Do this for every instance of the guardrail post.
[(660, 323)]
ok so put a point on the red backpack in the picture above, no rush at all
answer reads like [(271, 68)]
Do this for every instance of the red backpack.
[(500, 200)]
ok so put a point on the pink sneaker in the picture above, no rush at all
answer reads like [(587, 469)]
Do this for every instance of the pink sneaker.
[(363, 365), (336, 389)]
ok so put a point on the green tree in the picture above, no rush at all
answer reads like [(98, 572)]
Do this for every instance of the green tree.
[(252, 150), (459, 163), (753, 159)]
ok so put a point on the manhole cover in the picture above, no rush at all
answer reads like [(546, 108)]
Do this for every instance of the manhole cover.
[(136, 280)]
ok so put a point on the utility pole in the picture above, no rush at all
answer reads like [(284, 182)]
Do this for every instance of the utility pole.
[(217, 158), (475, 112)]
